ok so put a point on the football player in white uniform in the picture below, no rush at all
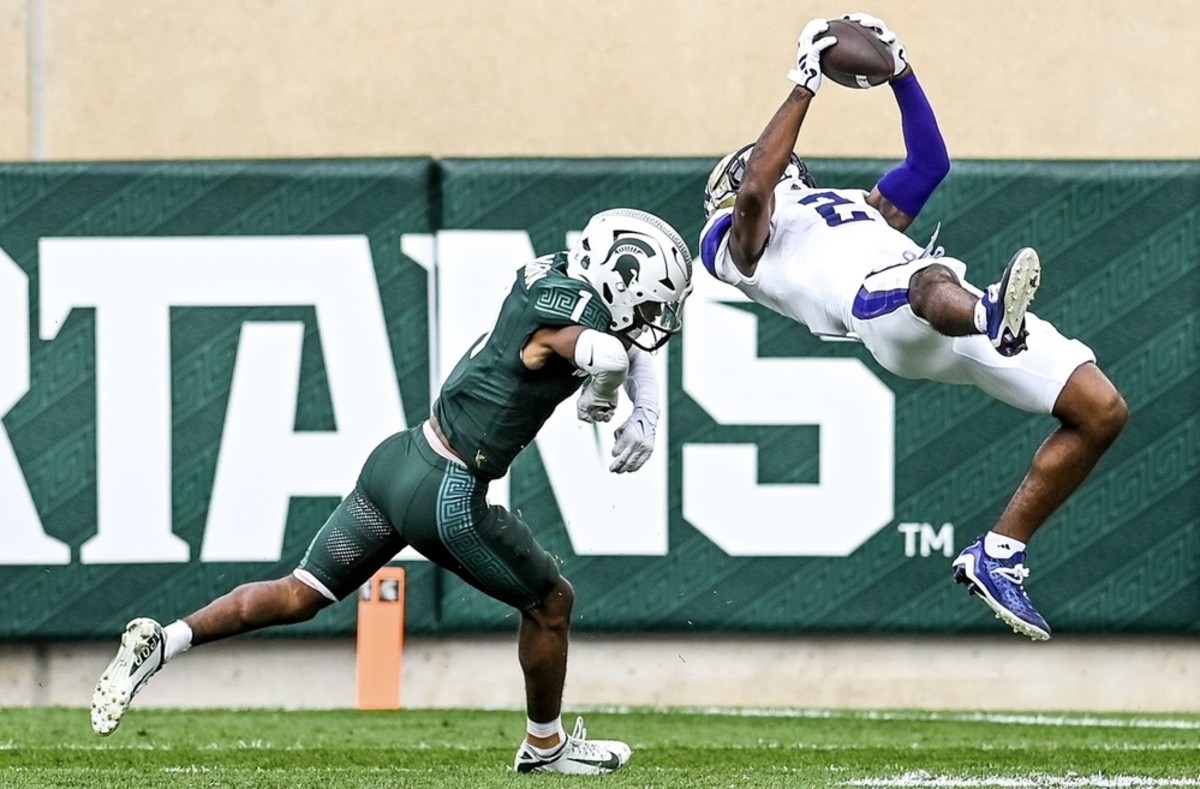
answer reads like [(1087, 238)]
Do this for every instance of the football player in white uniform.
[(837, 261)]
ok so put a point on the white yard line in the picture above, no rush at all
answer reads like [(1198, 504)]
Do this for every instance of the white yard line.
[(923, 780), (1020, 719)]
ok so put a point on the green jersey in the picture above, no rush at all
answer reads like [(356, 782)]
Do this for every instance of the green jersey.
[(492, 406)]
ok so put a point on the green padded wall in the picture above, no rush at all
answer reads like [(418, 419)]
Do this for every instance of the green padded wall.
[(1119, 244), (53, 428)]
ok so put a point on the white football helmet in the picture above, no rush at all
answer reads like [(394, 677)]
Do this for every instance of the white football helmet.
[(726, 178), (642, 270)]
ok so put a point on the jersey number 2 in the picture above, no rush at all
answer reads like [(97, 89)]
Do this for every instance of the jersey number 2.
[(833, 208)]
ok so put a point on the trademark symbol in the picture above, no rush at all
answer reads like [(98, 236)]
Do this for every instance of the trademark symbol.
[(929, 540)]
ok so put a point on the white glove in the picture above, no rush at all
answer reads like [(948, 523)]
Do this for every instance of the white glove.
[(899, 55), (807, 73), (594, 406), (635, 441)]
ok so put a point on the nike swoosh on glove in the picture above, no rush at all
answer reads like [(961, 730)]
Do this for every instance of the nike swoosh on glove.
[(634, 441), (807, 71)]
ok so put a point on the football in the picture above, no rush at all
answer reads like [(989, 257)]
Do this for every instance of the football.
[(858, 59)]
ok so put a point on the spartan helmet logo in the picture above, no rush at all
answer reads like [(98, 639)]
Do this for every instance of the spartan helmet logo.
[(627, 262)]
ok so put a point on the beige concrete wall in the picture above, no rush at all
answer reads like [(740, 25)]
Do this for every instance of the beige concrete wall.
[(16, 117), (1142, 675), (266, 78)]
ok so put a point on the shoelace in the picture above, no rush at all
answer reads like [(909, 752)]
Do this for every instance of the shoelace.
[(580, 744), (1017, 573)]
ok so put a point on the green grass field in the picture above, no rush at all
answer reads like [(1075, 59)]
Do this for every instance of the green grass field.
[(466, 749)]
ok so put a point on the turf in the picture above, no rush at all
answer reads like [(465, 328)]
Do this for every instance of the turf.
[(469, 749)]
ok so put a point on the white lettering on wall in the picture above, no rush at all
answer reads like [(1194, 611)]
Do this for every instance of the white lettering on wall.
[(940, 540), (263, 461), (854, 410), (132, 283)]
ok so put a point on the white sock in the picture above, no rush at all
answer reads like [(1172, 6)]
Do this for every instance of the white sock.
[(980, 317), (179, 639), (546, 730), (998, 546)]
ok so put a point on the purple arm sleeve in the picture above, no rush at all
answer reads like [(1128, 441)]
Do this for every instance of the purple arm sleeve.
[(908, 185)]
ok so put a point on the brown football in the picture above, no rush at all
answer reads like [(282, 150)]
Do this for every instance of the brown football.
[(858, 59)]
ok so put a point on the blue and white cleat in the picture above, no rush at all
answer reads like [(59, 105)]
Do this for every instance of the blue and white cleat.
[(139, 657), (1000, 584), (1005, 302)]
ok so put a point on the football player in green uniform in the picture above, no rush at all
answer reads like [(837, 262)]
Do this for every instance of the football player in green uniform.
[(583, 318)]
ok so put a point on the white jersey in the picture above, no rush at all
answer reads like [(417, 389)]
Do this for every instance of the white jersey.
[(833, 263), (822, 245)]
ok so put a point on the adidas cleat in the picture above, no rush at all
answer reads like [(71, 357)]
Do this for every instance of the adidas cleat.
[(139, 658), (575, 755), (1000, 584), (1006, 302)]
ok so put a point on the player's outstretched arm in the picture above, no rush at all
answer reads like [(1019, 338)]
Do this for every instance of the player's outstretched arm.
[(903, 191), (755, 200), (635, 437)]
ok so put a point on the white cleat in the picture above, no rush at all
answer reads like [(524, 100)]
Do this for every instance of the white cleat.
[(139, 657), (576, 755)]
